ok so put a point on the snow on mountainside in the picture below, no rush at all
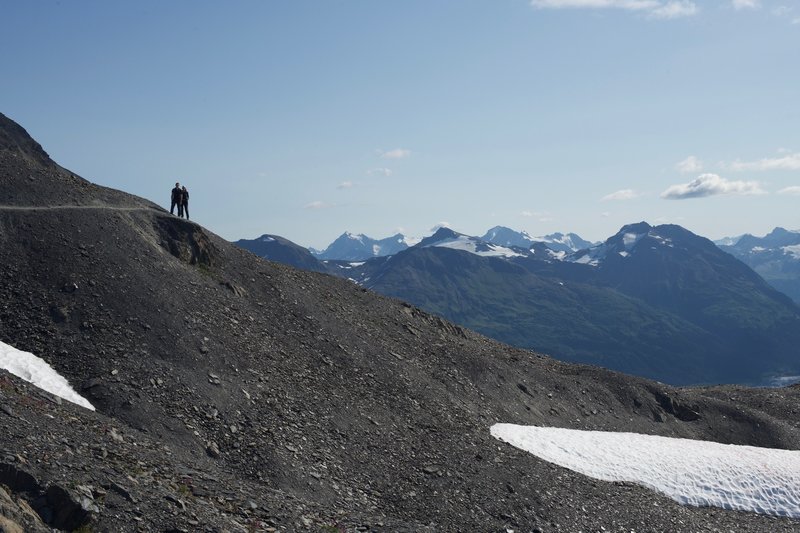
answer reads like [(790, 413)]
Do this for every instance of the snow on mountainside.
[(568, 243), (558, 242), (504, 236), (357, 247), (447, 238), (498, 241), (776, 257), (623, 244), (728, 241)]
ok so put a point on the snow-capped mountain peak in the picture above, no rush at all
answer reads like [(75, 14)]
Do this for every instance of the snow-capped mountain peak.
[(624, 243), (558, 242), (447, 238), (358, 247)]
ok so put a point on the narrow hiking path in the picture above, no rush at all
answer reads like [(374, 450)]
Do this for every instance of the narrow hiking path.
[(57, 207)]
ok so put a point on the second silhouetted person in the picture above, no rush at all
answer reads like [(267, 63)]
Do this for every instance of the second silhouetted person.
[(184, 202)]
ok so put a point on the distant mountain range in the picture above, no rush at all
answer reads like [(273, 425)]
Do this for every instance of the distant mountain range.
[(660, 302), (776, 257), (555, 241), (359, 247), (352, 247)]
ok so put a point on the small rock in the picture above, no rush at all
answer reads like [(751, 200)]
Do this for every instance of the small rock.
[(176, 501), (122, 491), (115, 435), (212, 449)]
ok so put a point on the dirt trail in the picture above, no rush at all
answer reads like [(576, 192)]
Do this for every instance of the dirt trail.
[(55, 207)]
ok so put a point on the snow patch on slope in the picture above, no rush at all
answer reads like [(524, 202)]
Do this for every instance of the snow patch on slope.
[(468, 244), (793, 250), (630, 240), (693, 472), (36, 371)]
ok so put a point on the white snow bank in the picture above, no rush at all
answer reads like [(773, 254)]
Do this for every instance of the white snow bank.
[(35, 371), (630, 240), (468, 244), (694, 472), (793, 250)]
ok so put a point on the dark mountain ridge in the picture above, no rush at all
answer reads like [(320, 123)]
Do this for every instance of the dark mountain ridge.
[(239, 394), (276, 248)]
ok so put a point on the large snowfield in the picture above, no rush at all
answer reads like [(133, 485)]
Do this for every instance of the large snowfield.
[(37, 372), (692, 472)]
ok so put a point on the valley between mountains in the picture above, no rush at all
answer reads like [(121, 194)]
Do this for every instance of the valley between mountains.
[(238, 394)]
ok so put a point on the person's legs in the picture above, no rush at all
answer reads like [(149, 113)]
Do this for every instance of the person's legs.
[(172, 207), (180, 210), (186, 210)]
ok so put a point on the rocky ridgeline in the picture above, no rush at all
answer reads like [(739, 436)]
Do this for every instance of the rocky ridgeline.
[(235, 394)]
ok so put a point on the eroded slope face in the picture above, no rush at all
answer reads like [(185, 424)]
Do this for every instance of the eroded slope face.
[(310, 389)]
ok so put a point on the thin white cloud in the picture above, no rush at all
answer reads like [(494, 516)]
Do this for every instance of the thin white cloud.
[(317, 204), (676, 9), (746, 4), (380, 171), (794, 190), (669, 220), (346, 185), (623, 194), (595, 4), (654, 8), (605, 214), (786, 162), (439, 226), (711, 185), (541, 216), (786, 12), (690, 165), (397, 153)]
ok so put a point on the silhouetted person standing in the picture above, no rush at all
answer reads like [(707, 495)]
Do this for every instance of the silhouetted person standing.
[(184, 202), (177, 194)]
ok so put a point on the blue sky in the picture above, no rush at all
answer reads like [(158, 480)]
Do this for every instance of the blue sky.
[(306, 119)]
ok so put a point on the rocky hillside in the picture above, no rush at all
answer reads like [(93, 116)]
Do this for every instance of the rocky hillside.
[(242, 395)]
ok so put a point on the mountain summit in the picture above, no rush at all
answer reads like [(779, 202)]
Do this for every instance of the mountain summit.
[(351, 247), (238, 394)]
